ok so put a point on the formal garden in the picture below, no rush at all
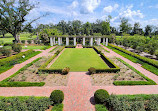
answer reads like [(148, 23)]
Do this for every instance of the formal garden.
[(75, 66)]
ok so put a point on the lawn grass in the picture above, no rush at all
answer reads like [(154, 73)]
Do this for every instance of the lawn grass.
[(79, 60), (41, 47), (9, 38)]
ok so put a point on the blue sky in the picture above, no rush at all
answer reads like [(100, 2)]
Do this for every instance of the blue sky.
[(143, 11)]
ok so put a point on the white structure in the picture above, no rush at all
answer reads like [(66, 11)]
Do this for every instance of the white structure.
[(91, 40)]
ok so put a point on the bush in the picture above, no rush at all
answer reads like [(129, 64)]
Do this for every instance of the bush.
[(16, 48), (23, 41), (57, 107), (6, 52), (29, 41), (156, 53), (101, 96), (57, 96), (65, 70), (100, 107), (7, 44), (92, 70)]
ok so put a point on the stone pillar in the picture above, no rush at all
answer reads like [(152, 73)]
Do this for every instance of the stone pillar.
[(51, 41), (67, 41), (91, 41), (58, 40), (61, 41), (54, 40), (74, 41), (106, 41), (83, 40), (103, 41)]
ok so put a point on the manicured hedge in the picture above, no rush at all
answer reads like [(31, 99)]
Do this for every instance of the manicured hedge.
[(6, 83), (113, 67), (15, 57), (100, 107), (58, 107), (87, 46), (49, 70), (70, 46), (144, 59), (148, 82)]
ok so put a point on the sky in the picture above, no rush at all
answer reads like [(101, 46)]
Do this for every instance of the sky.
[(143, 11)]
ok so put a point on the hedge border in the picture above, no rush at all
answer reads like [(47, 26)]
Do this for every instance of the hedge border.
[(144, 59), (50, 70), (70, 46), (148, 82), (5, 82), (114, 68)]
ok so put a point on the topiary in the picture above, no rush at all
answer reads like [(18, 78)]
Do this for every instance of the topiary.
[(6, 52), (16, 48), (65, 70), (57, 96), (29, 41), (101, 96), (92, 70), (156, 54), (23, 41)]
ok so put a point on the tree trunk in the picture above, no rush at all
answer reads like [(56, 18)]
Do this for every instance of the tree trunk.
[(17, 40), (3, 35)]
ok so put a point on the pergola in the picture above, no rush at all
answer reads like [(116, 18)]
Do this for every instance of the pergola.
[(91, 39)]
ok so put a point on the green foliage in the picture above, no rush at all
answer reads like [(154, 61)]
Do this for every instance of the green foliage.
[(132, 102), (6, 83), (16, 48), (92, 70), (24, 103), (148, 82), (9, 62), (101, 96), (23, 41), (156, 53), (65, 70), (6, 52), (100, 107), (29, 41), (58, 107), (136, 59), (57, 96)]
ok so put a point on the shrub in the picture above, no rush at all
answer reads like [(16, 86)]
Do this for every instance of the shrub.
[(92, 70), (57, 96), (23, 41), (156, 53), (100, 107), (1, 42), (16, 48), (6, 52), (65, 70), (29, 41), (7, 44), (101, 96)]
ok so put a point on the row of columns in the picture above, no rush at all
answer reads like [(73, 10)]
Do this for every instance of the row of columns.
[(98, 41)]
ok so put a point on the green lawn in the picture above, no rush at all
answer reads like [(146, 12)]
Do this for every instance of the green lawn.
[(41, 47), (79, 60), (9, 38)]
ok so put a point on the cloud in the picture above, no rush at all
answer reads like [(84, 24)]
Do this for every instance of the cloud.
[(154, 6), (74, 5), (88, 6), (110, 9)]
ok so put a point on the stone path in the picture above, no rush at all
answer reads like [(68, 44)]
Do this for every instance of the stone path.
[(79, 46), (79, 91)]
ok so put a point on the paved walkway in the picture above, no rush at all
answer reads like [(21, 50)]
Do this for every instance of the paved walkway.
[(79, 91), (79, 46)]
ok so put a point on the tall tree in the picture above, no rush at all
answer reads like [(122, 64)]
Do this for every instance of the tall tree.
[(3, 32), (87, 28), (13, 16), (136, 28), (125, 27), (148, 30)]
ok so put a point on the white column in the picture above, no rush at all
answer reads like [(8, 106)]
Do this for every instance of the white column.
[(74, 41), (106, 41), (67, 41), (103, 41), (99, 41), (91, 41), (51, 41), (83, 40), (54, 40), (58, 40), (61, 41)]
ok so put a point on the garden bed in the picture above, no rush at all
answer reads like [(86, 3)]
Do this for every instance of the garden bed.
[(30, 76)]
